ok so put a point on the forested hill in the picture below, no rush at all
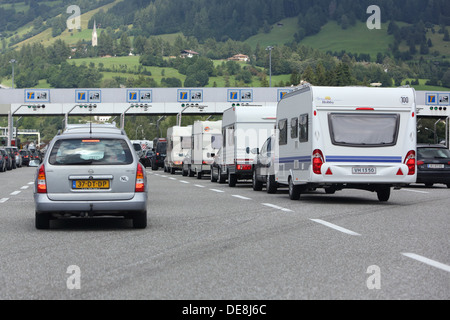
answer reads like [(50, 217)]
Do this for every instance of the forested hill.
[(240, 19), (218, 19)]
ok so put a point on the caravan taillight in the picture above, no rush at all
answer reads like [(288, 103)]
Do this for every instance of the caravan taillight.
[(317, 159), (41, 181), (410, 161), (140, 186)]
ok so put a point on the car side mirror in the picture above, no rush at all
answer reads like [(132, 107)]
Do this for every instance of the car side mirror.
[(255, 151)]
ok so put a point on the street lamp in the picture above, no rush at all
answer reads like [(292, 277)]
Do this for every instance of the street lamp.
[(269, 48), (13, 61)]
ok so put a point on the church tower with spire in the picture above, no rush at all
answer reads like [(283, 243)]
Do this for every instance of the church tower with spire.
[(94, 35)]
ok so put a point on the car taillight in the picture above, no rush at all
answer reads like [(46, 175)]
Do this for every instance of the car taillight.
[(410, 161), (140, 186), (244, 167), (41, 181), (317, 161)]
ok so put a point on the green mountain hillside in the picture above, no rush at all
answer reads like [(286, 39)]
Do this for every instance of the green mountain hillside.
[(325, 42)]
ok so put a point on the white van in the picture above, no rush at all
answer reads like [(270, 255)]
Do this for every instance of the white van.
[(346, 137), (244, 128), (178, 144), (206, 141)]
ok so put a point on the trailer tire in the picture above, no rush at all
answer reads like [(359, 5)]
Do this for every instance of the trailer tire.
[(384, 194), (190, 172), (199, 175), (213, 178), (257, 185), (271, 184), (294, 191), (232, 180), (221, 178)]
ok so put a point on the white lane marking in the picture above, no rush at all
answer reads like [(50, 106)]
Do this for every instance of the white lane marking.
[(336, 227), (24, 187), (172, 178), (182, 181), (15, 193), (3, 200), (430, 262), (240, 197), (31, 182), (276, 207), (199, 186), (418, 191), (215, 190)]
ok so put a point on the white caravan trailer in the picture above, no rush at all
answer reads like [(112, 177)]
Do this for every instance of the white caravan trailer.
[(206, 141), (346, 137), (244, 128), (178, 144)]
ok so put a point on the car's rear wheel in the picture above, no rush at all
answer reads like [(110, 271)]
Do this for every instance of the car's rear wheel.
[(384, 194), (257, 185), (232, 180), (222, 178), (140, 220), (271, 184), (213, 177), (42, 220), (294, 190)]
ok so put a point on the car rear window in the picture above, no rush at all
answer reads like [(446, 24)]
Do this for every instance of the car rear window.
[(433, 153), (90, 152), (363, 130)]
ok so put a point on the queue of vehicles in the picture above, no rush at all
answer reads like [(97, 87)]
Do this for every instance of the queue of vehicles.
[(315, 138), (329, 138), (13, 158)]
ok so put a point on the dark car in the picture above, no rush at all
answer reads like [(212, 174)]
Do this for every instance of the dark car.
[(26, 155), (12, 156), (160, 149), (433, 165), (36, 155), (147, 159), (3, 160)]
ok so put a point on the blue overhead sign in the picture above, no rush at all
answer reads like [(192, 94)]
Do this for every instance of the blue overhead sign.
[(240, 95), (36, 95), (88, 96), (190, 95), (135, 96)]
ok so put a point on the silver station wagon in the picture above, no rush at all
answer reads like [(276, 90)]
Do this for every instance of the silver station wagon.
[(90, 170)]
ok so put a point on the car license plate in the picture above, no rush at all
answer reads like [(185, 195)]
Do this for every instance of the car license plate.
[(90, 184), (435, 166), (364, 170)]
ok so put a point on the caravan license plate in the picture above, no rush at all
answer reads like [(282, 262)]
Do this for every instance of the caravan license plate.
[(90, 184), (364, 170)]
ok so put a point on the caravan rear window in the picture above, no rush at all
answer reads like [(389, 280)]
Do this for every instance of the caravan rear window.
[(363, 130)]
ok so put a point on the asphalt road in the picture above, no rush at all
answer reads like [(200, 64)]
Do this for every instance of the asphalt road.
[(209, 241)]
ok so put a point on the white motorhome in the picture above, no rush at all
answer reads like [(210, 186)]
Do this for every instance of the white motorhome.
[(346, 137), (178, 144), (244, 128), (206, 141)]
